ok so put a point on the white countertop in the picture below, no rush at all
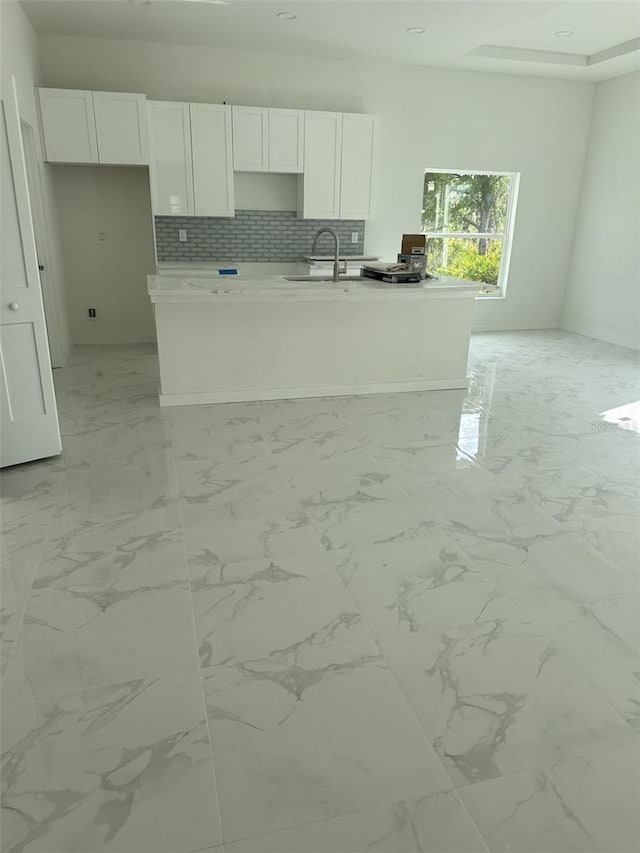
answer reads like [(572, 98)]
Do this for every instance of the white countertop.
[(202, 285)]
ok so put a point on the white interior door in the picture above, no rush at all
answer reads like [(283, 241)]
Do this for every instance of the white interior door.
[(28, 416)]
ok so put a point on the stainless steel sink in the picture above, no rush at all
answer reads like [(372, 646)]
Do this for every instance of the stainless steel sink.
[(310, 278)]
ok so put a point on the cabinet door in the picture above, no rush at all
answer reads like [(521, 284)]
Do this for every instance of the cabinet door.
[(250, 139), (286, 140), (358, 149), (171, 168), (212, 159), (68, 126), (321, 180), (121, 126)]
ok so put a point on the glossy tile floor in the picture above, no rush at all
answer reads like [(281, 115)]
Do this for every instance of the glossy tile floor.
[(395, 623)]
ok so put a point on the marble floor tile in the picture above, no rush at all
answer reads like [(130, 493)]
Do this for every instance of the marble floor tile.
[(472, 501), (312, 448), (615, 536), (413, 459), (241, 510), (95, 547), (317, 732), (401, 422), (201, 432), (433, 824), (21, 544), (337, 474), (13, 602), (226, 539), (352, 499), (496, 696), (130, 443), (575, 493), (28, 490), (487, 539), (247, 610), (121, 768), (547, 576), (602, 639), (587, 804), (139, 409), (102, 551), (362, 519), (247, 487), (117, 491), (300, 412), (83, 635), (319, 433), (407, 586)]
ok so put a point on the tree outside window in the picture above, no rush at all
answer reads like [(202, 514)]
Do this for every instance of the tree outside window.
[(468, 221)]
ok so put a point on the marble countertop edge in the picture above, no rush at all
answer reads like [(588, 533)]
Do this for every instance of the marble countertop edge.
[(274, 288)]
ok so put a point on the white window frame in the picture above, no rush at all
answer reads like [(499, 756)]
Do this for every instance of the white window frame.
[(506, 235)]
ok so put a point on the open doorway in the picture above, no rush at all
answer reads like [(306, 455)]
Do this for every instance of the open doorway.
[(42, 240)]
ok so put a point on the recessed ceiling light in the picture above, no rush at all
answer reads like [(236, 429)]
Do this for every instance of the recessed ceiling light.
[(286, 16), (564, 34), (140, 2), (415, 30)]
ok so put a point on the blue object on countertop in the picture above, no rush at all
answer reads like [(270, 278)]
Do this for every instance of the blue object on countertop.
[(229, 271)]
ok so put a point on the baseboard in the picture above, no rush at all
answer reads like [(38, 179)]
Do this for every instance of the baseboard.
[(513, 327), (598, 335), (257, 394)]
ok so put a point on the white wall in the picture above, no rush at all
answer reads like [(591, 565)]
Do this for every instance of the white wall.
[(429, 118), (254, 191), (603, 296), (19, 57), (107, 238)]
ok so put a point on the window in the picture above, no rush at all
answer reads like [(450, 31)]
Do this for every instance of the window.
[(468, 219)]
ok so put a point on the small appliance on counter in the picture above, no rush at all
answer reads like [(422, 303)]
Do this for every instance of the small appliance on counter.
[(411, 266), (391, 273), (414, 252)]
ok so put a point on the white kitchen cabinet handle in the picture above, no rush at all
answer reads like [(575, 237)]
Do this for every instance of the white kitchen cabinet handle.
[(14, 306)]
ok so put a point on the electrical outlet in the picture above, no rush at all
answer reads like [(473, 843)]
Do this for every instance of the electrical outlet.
[(102, 236), (354, 236), (182, 235), (93, 313)]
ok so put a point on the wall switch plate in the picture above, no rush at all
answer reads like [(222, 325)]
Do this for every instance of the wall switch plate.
[(93, 313), (182, 235), (354, 236)]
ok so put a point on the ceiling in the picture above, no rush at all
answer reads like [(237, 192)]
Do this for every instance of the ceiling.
[(508, 36)]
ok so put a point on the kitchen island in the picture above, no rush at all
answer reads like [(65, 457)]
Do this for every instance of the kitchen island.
[(262, 337)]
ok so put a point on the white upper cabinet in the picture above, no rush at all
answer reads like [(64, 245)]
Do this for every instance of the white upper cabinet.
[(94, 127), (68, 126), (321, 177), (121, 126), (191, 159), (357, 169), (171, 167), (268, 140), (212, 160), (286, 140), (193, 149), (250, 139), (339, 155)]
